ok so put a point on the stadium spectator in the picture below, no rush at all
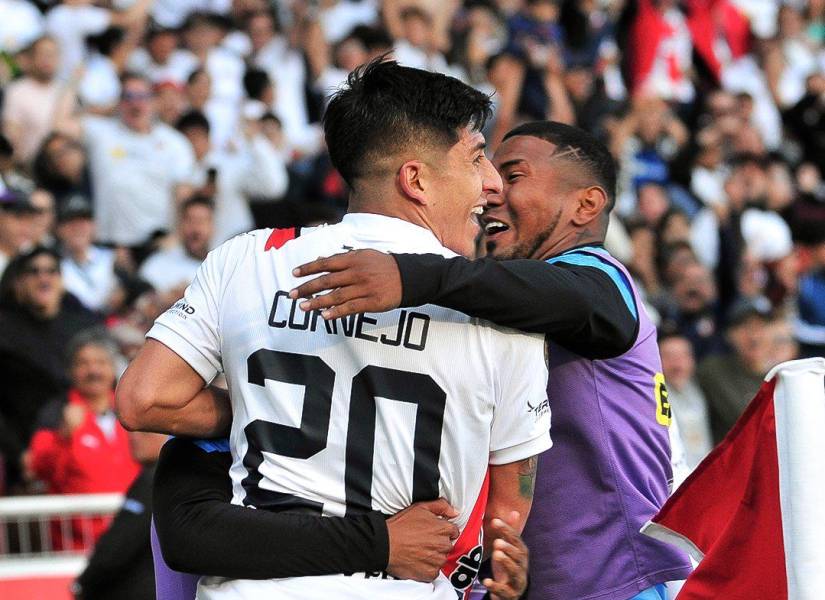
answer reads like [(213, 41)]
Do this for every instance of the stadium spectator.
[(121, 564), (731, 379), (79, 446), (162, 60), (17, 215), (35, 102), (21, 25), (37, 320), (229, 179), (695, 310), (140, 169), (71, 22), (60, 167), (202, 35), (686, 398), (810, 323), (88, 270), (170, 270)]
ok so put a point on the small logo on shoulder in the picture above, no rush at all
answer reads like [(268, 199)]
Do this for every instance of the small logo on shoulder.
[(182, 309), (540, 409)]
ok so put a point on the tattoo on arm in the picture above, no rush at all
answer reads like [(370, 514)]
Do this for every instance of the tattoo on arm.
[(527, 477)]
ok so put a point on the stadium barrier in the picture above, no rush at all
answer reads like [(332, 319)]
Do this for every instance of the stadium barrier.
[(44, 541)]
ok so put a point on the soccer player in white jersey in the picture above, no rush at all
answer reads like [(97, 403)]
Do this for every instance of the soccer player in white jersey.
[(378, 411)]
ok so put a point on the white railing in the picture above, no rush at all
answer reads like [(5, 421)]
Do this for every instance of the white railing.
[(60, 529)]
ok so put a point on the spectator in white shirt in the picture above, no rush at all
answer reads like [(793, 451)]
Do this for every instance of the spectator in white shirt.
[(202, 35), (272, 52), (229, 179), (88, 270), (140, 168), (686, 397), (21, 24), (71, 21), (161, 60), (33, 103), (170, 270)]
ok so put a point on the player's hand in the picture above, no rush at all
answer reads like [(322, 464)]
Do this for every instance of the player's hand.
[(509, 560), (361, 281), (421, 538)]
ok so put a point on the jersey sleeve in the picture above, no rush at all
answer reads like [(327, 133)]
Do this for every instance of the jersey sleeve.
[(191, 326), (521, 423)]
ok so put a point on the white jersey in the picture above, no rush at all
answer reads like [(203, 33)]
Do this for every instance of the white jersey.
[(372, 412)]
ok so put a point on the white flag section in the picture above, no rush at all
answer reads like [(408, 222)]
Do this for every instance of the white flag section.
[(755, 507), (799, 406)]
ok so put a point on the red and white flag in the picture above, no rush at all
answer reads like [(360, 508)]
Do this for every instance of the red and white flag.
[(753, 512)]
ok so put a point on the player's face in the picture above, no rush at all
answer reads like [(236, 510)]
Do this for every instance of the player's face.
[(534, 209), (463, 181)]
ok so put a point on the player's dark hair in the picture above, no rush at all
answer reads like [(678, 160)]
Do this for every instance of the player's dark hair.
[(385, 107), (194, 119), (590, 154), (255, 81)]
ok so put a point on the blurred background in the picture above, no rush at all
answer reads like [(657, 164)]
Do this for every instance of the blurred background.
[(139, 134)]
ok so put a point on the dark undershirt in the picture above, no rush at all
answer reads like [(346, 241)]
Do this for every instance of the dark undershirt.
[(578, 307), (201, 532)]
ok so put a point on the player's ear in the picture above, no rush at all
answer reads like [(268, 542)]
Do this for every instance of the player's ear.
[(591, 204), (411, 181)]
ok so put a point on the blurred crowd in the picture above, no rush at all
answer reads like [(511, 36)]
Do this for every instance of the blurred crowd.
[(139, 134)]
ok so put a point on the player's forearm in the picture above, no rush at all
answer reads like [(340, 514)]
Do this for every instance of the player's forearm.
[(511, 490), (201, 532), (577, 307)]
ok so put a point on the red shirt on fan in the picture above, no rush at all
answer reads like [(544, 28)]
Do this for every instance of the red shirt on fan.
[(94, 458)]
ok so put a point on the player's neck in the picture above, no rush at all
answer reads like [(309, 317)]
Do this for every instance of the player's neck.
[(404, 211)]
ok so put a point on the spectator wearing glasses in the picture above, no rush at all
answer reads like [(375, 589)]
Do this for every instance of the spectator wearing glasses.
[(37, 320), (140, 169)]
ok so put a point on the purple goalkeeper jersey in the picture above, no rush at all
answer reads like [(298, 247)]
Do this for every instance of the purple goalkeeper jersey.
[(169, 584), (608, 471)]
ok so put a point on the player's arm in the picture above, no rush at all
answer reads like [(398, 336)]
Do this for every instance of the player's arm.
[(580, 307), (511, 496), (201, 532), (165, 388), (161, 392)]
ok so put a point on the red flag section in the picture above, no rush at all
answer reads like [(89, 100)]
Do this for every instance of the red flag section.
[(751, 511)]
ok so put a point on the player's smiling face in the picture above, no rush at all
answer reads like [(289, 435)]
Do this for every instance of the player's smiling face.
[(465, 180), (534, 209)]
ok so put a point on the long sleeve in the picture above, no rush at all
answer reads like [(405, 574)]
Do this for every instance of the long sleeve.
[(196, 524), (579, 307)]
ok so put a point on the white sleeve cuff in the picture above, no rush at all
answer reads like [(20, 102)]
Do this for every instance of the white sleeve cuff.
[(521, 451), (203, 365)]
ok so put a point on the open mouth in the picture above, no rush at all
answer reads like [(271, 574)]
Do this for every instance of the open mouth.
[(493, 227)]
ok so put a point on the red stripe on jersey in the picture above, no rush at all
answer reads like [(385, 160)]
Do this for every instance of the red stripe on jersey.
[(279, 237), (464, 561)]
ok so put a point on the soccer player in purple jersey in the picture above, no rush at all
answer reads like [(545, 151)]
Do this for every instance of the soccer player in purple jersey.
[(609, 470)]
